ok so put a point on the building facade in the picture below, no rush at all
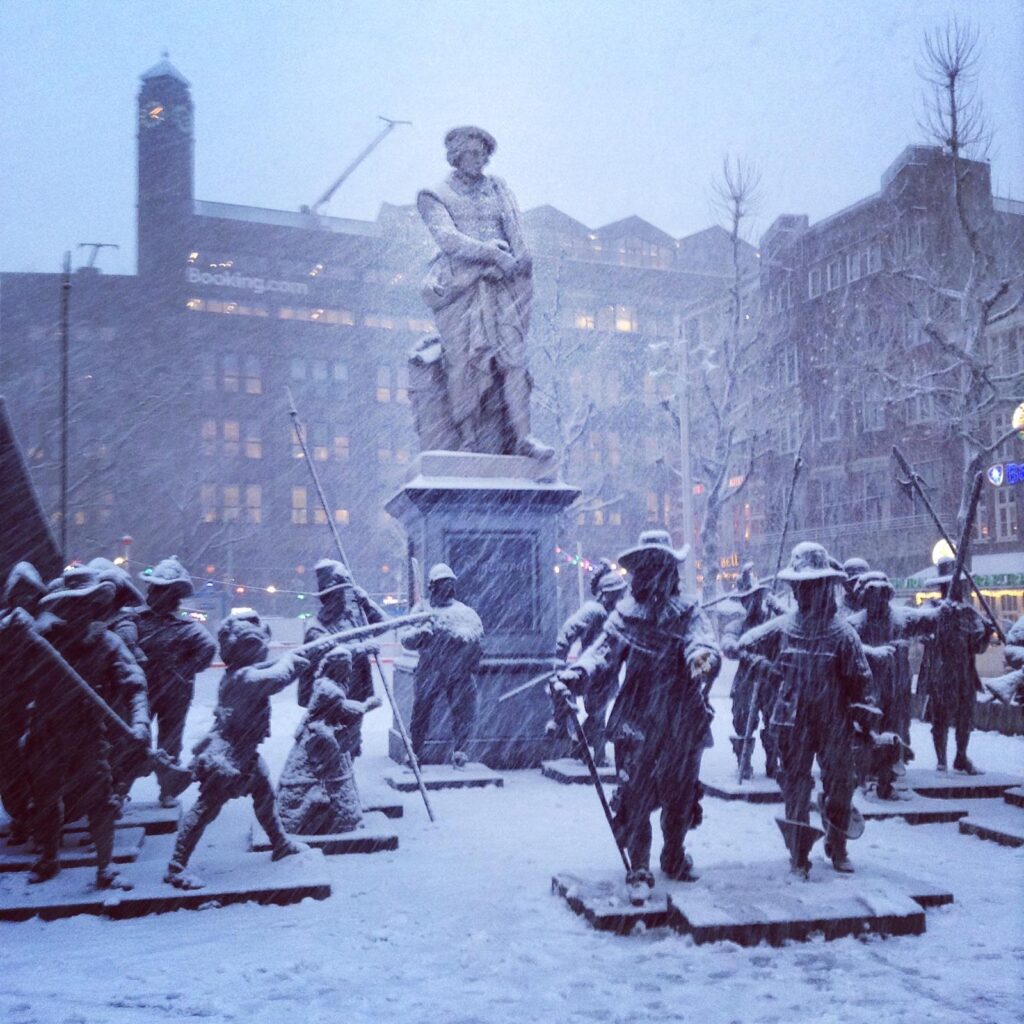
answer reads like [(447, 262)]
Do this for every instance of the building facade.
[(180, 377)]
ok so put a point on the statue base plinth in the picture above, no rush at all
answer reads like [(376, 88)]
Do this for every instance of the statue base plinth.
[(492, 518)]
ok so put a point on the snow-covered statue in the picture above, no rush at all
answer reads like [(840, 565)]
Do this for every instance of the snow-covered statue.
[(583, 626), (948, 678), (660, 723), (753, 690), (886, 631), (471, 386), (227, 761), (821, 705), (1009, 688), (317, 793), (449, 652)]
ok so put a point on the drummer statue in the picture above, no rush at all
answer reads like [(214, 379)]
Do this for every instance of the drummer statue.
[(470, 382)]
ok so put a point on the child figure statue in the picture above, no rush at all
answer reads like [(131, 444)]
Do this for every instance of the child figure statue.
[(227, 762), (317, 794)]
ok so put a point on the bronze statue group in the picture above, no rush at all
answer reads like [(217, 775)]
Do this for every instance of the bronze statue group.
[(92, 666)]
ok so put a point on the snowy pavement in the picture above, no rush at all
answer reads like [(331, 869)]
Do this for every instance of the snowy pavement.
[(458, 925)]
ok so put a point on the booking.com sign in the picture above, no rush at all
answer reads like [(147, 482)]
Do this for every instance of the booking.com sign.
[(1006, 474)]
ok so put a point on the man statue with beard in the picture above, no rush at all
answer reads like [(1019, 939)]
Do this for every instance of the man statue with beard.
[(660, 722)]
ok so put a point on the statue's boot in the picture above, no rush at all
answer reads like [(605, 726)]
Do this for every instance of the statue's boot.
[(799, 837), (639, 885)]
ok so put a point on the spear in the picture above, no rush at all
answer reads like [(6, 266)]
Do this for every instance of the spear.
[(914, 481), (413, 762)]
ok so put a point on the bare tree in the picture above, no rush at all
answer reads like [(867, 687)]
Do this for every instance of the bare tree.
[(956, 304), (720, 369)]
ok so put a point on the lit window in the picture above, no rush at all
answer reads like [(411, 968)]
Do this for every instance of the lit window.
[(420, 326), (232, 435), (230, 509), (383, 384), (297, 452), (852, 266), (615, 518), (208, 371), (194, 304), (402, 385), (625, 318), (319, 516), (253, 441), (254, 503), (585, 321), (598, 517), (80, 519), (341, 516), (614, 448), (341, 446), (208, 502), (385, 323), (300, 506)]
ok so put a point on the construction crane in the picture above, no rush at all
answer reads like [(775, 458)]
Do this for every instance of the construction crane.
[(389, 125), (96, 246)]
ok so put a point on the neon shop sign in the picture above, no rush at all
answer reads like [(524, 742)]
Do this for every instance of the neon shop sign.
[(1006, 474)]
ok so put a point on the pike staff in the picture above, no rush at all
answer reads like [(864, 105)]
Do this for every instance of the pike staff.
[(413, 762), (752, 711), (913, 483)]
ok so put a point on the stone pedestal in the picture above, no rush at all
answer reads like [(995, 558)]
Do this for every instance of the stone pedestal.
[(491, 518)]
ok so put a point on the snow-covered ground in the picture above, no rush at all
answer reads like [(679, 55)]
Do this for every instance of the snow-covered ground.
[(459, 926)]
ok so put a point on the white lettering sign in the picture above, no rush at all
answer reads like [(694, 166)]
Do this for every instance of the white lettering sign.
[(259, 285)]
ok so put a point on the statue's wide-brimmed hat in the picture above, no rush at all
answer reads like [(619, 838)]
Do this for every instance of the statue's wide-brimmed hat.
[(126, 591), (80, 588), (944, 568), (331, 575), (470, 131), (653, 548), (748, 583), (874, 578), (169, 573), (854, 567), (811, 561), (611, 582), (441, 572)]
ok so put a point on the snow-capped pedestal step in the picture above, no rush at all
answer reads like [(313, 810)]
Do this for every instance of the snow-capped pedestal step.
[(1014, 796), (148, 815), (763, 902), (752, 903), (76, 850), (381, 805), (758, 790), (954, 785), (568, 771), (602, 899), (444, 776), (911, 807), (374, 835), (1001, 823), (241, 878)]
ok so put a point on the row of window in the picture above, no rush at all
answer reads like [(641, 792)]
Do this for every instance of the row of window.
[(243, 503), (311, 314), (232, 438), (231, 373), (840, 270)]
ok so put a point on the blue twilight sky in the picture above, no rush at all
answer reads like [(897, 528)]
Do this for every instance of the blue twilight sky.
[(603, 108)]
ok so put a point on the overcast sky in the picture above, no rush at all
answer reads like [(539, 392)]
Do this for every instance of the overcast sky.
[(603, 109)]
